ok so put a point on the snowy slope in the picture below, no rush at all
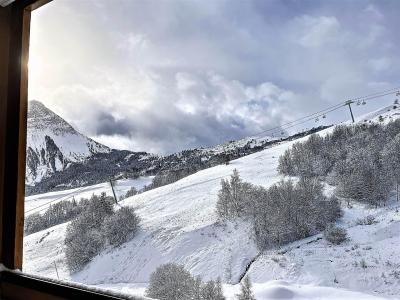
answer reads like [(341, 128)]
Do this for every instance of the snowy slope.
[(37, 203), (252, 141), (382, 115), (52, 143), (179, 224), (314, 261)]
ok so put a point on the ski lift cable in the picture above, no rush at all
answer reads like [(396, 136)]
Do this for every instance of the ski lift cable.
[(287, 125), (300, 119), (310, 119), (332, 108), (304, 119), (369, 98), (378, 96), (64, 197), (389, 91)]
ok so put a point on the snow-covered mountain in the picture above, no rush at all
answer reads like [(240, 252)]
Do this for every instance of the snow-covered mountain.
[(55, 147), (179, 224), (52, 144)]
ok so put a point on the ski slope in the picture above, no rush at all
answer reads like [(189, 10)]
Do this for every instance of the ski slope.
[(40, 202), (179, 224)]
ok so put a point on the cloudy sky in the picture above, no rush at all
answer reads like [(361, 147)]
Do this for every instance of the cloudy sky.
[(165, 75)]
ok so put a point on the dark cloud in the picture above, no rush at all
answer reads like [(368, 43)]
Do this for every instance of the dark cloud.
[(106, 124)]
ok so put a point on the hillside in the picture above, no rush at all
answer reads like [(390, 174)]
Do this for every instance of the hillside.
[(59, 157), (179, 224)]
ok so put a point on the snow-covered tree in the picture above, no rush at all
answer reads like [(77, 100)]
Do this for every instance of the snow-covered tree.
[(131, 192), (82, 243), (391, 160), (335, 235), (34, 223), (212, 290), (171, 282), (361, 176), (55, 214), (285, 165), (121, 226), (353, 157), (88, 234), (245, 290), (233, 197), (219, 293), (197, 288)]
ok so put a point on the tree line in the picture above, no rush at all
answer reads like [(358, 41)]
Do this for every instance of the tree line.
[(362, 161), (57, 213)]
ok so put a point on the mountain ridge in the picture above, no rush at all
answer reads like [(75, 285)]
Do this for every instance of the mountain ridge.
[(52, 144), (60, 157)]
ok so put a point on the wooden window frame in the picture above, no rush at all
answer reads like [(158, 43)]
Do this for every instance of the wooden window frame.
[(14, 53)]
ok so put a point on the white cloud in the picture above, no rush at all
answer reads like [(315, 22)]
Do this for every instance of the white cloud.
[(379, 64), (162, 76), (373, 11), (317, 31)]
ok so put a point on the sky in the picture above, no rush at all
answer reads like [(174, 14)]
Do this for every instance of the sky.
[(166, 75)]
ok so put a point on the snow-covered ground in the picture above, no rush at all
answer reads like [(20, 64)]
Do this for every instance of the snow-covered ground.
[(179, 224), (37, 203)]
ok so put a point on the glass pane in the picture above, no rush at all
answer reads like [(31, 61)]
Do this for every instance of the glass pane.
[(215, 149)]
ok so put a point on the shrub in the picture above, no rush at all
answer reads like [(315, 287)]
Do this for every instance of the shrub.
[(131, 192), (368, 220), (34, 223), (335, 235), (118, 227), (211, 290), (88, 234), (81, 244), (171, 282)]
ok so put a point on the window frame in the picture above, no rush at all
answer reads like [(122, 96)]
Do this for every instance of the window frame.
[(14, 53)]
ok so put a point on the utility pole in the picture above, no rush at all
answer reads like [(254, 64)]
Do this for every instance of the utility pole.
[(56, 269), (112, 188), (349, 102)]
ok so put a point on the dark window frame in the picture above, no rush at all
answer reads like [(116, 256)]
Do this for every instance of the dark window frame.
[(14, 53)]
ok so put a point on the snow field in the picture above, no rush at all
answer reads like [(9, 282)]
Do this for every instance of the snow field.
[(179, 224)]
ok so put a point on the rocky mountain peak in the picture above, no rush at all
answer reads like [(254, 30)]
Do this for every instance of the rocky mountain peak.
[(40, 117)]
